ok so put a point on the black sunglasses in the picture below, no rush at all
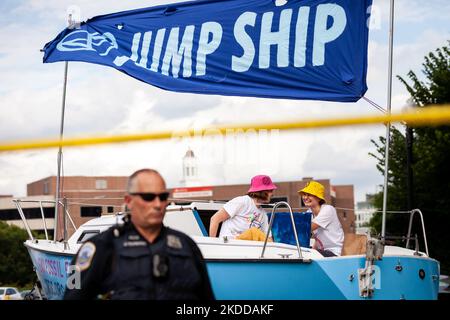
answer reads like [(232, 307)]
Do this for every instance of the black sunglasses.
[(149, 196)]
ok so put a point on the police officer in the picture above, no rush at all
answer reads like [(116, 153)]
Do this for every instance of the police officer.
[(142, 259)]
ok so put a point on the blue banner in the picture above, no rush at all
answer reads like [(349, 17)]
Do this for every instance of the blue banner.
[(304, 49)]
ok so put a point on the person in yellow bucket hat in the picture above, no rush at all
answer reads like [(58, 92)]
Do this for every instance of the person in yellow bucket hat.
[(326, 227)]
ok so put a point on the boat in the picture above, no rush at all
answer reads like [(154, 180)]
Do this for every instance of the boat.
[(256, 270)]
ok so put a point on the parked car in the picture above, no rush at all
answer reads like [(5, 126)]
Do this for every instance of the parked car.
[(9, 293)]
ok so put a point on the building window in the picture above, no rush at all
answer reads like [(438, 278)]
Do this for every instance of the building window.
[(46, 188), (101, 184), (110, 209), (30, 213), (91, 211)]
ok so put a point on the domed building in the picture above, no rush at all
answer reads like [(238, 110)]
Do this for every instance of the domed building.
[(190, 170)]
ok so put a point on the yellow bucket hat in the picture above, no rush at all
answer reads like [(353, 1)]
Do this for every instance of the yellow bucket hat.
[(314, 188)]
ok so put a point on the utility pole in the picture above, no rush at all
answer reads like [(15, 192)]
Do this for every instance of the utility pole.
[(409, 170)]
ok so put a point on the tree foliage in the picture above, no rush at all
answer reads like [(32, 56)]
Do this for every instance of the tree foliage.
[(16, 268), (430, 166)]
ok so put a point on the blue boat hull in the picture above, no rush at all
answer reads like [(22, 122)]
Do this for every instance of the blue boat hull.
[(51, 270), (327, 279)]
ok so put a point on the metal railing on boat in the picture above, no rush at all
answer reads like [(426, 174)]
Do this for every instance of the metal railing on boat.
[(272, 218), (18, 202), (408, 237)]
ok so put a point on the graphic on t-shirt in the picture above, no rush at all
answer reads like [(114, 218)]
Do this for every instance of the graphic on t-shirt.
[(254, 220), (244, 214)]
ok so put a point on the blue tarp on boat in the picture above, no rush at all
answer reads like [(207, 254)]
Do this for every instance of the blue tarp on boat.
[(282, 228)]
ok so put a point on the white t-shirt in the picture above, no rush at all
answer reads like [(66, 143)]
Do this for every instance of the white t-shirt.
[(330, 235), (244, 214)]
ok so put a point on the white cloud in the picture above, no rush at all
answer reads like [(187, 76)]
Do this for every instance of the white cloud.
[(412, 11), (103, 101), (419, 11)]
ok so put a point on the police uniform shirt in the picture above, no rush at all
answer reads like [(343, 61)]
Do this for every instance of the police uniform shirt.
[(126, 266)]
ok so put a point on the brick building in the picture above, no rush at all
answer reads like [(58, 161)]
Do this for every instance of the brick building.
[(340, 196), (39, 211), (87, 197)]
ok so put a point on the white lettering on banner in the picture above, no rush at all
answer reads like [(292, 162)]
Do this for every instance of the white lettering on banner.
[(135, 47), (243, 63), (157, 49), (279, 38), (145, 47), (172, 55), (87, 41), (204, 47), (301, 33), (322, 35)]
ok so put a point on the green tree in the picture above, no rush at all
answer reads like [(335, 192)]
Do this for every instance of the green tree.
[(16, 268), (431, 165)]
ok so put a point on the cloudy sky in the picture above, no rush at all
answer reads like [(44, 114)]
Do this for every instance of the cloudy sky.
[(104, 101)]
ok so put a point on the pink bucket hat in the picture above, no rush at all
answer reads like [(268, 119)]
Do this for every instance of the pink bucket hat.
[(261, 183)]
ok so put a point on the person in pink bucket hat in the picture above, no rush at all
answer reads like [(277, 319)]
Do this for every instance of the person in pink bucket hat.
[(244, 212)]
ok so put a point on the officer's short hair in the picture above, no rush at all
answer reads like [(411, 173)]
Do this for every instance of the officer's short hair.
[(132, 178)]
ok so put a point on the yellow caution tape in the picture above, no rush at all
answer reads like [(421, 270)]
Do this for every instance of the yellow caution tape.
[(430, 116)]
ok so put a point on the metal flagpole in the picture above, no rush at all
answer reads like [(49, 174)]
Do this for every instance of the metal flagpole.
[(388, 125), (61, 135)]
